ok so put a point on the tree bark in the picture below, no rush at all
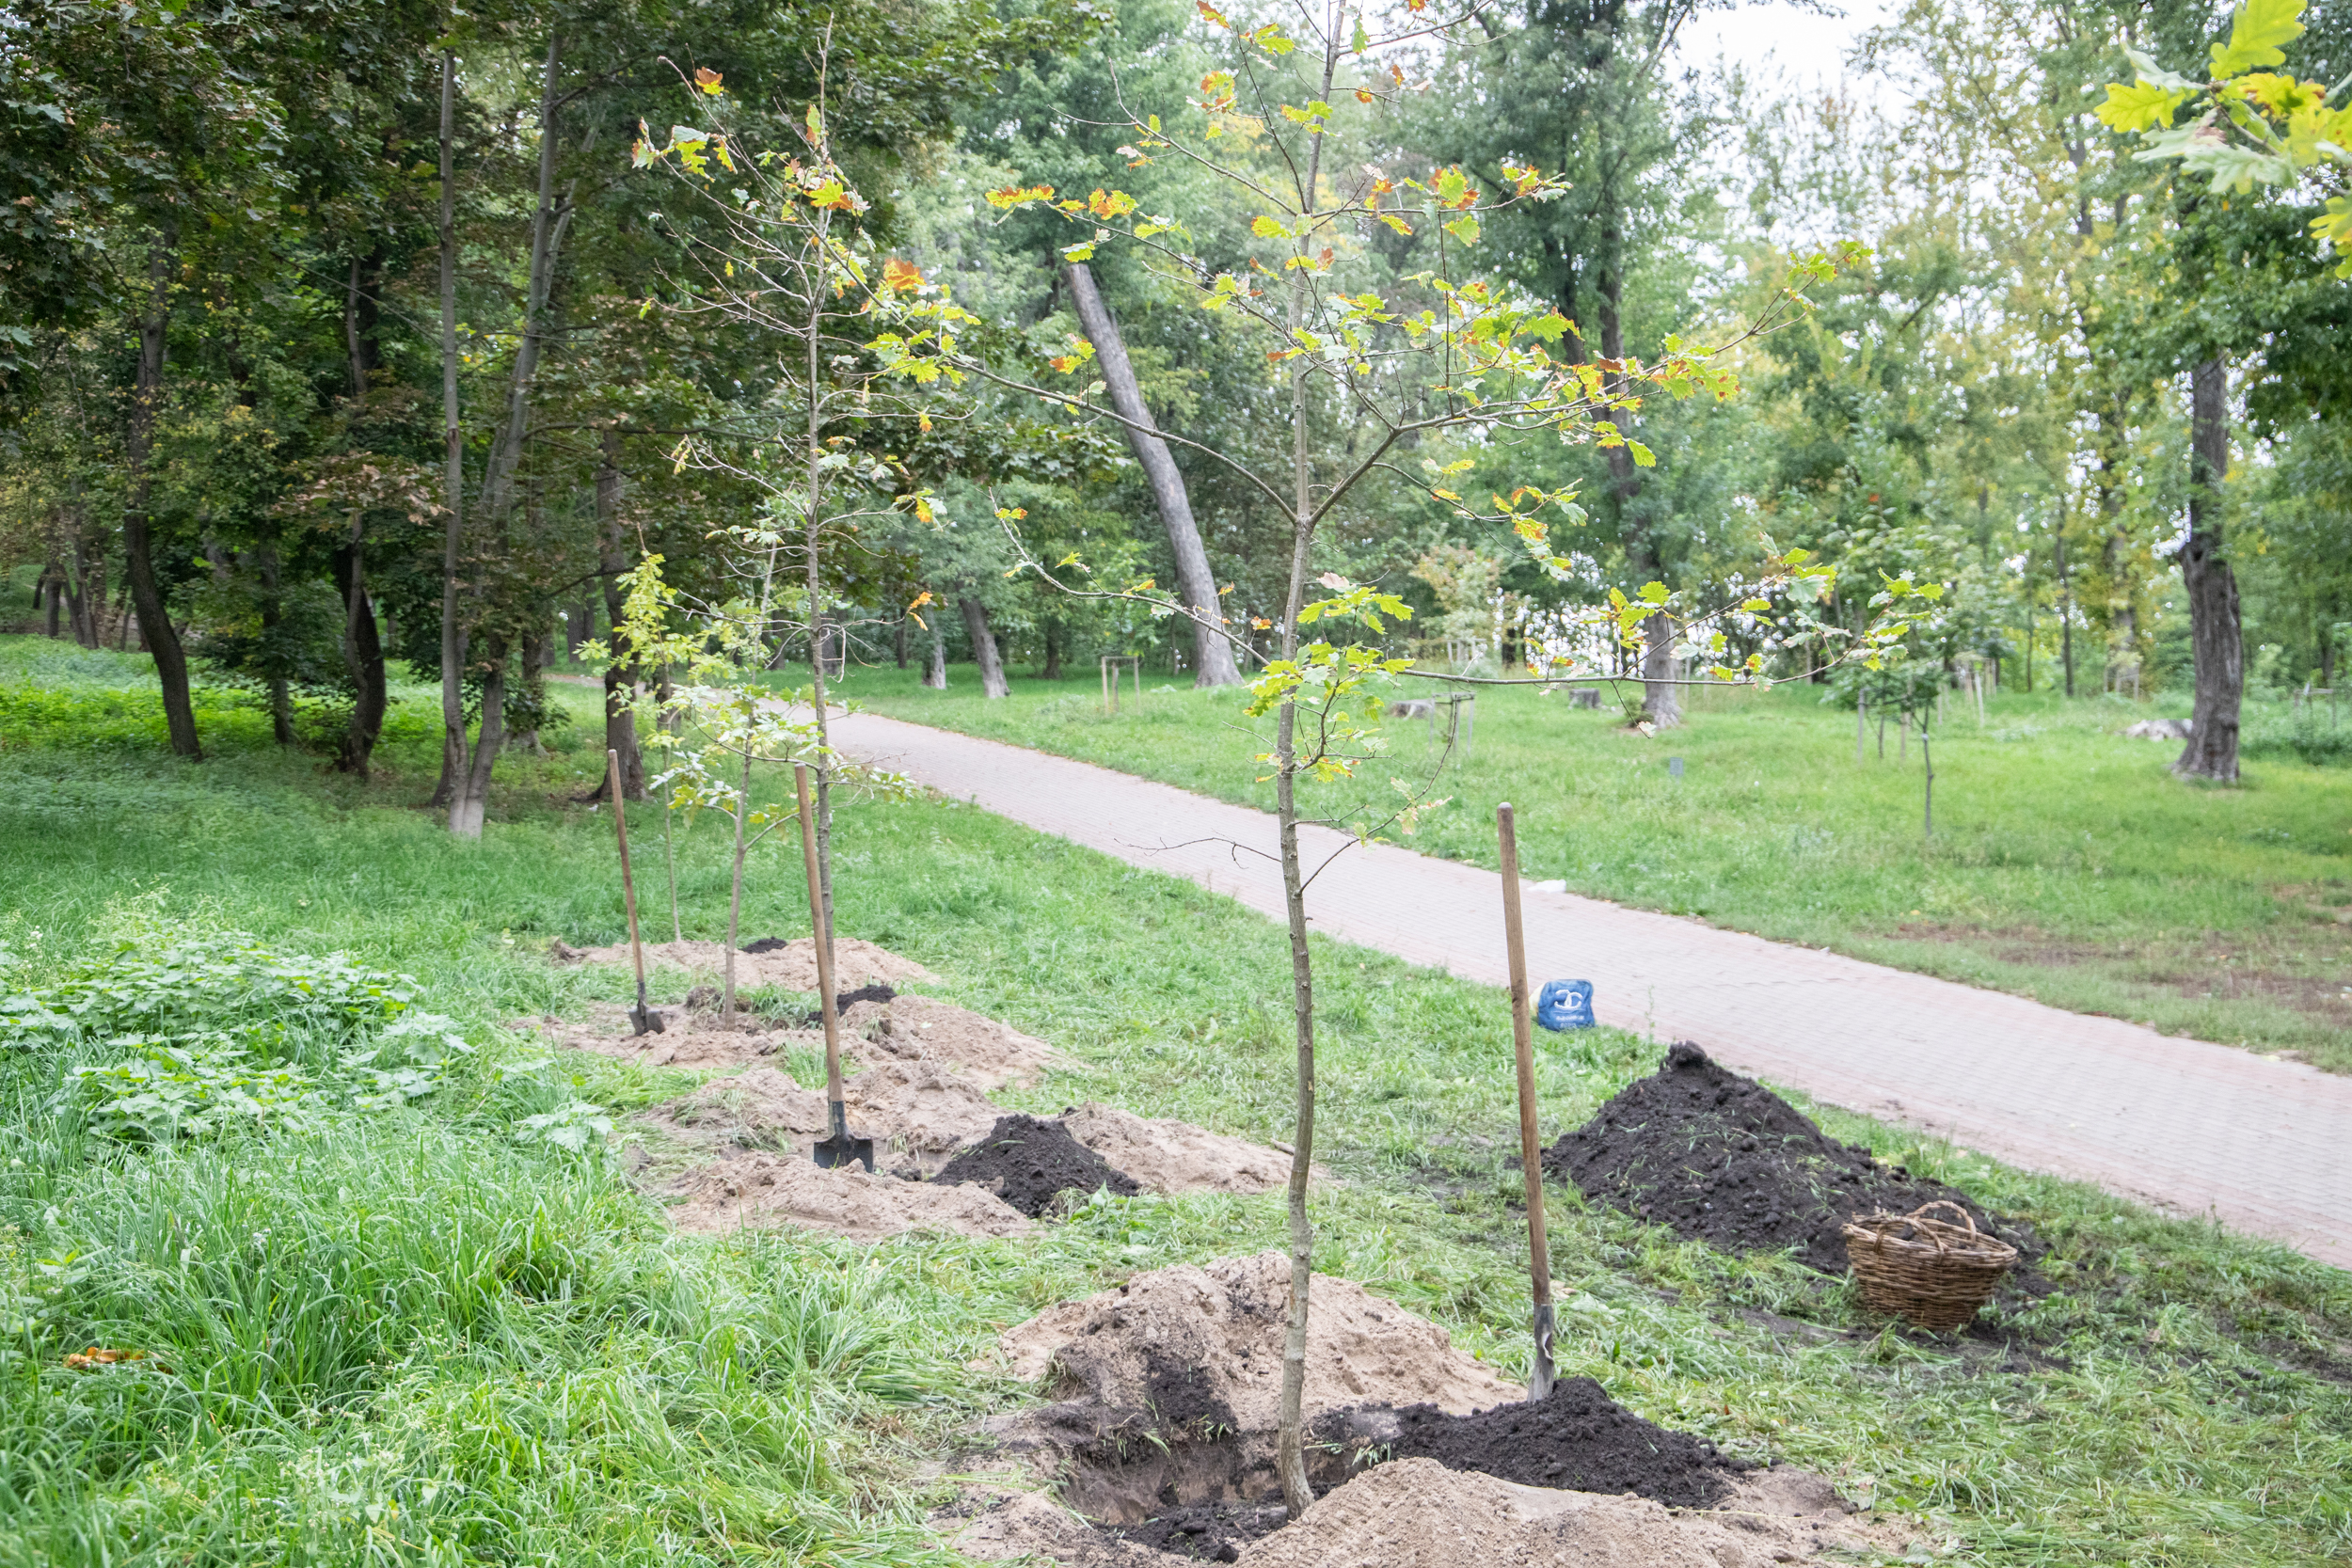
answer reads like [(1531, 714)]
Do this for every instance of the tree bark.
[(155, 627), (453, 461), (935, 668), (51, 590), (2213, 603), (273, 616), (363, 655), (1212, 653), (506, 452), (898, 642), (472, 803), (1055, 636), (984, 648), (621, 679)]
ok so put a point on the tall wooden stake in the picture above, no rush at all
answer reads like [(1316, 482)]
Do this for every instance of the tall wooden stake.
[(1530, 1148)]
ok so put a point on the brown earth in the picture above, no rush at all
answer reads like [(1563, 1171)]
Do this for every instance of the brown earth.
[(1416, 1513), (922, 1029), (1167, 1388), (1166, 1156), (918, 1116), (790, 967), (753, 1189), (690, 1037)]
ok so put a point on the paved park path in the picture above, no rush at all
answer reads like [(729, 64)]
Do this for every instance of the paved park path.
[(2263, 1146)]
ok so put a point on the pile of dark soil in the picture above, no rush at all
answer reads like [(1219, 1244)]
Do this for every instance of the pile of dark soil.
[(1206, 1532), (1721, 1158), (1029, 1164), (767, 944), (1578, 1439), (879, 991)]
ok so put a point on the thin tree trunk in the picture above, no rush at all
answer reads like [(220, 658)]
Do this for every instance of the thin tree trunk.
[(155, 627), (1212, 653), (363, 655), (984, 648), (622, 679), (734, 894), (935, 670), (1054, 637), (454, 464), (579, 628), (2213, 603), (1290, 1458), (2066, 610), (52, 586), (898, 642), (498, 478)]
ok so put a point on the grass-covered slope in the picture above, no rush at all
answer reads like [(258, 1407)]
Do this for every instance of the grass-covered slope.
[(2067, 864), (392, 1329)]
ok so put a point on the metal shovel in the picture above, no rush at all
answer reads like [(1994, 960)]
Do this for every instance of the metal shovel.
[(643, 1019), (1530, 1148), (838, 1148)]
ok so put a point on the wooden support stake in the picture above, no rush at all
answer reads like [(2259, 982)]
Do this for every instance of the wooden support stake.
[(1530, 1148)]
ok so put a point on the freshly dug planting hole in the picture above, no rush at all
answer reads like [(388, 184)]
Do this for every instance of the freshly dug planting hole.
[(1165, 1392), (1029, 1164), (1578, 1439), (1721, 1158)]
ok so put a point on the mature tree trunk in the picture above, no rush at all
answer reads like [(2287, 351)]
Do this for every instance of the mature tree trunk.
[(536, 641), (1212, 653), (935, 668), (2213, 606), (984, 648), (155, 627), (472, 803), (363, 283), (1054, 637), (621, 677), (899, 640), (453, 462), (50, 589), (578, 627), (363, 655)]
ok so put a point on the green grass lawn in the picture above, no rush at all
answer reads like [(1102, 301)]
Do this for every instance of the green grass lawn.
[(2067, 864), (411, 1336)]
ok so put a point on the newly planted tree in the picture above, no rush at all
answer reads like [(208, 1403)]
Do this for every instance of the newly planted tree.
[(1375, 367)]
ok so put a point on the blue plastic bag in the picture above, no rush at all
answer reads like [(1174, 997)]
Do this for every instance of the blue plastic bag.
[(1564, 1004)]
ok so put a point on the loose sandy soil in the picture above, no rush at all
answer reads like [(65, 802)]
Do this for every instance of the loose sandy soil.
[(791, 967), (755, 1189), (1166, 1156)]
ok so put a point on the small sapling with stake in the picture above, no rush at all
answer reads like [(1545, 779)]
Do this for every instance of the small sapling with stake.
[(1530, 1145)]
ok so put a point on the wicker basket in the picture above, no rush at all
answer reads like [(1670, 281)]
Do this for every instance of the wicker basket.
[(1931, 1270)]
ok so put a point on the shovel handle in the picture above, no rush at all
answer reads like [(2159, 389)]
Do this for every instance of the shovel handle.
[(628, 886), (821, 929), (1523, 1043)]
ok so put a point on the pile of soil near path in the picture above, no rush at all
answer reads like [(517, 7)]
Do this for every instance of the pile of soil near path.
[(1576, 1438), (1721, 1158), (1029, 1164)]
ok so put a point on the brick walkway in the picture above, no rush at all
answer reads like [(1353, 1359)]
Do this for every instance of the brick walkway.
[(2264, 1146)]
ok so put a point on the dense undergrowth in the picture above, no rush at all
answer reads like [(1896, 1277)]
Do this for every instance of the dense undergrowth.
[(411, 1328), (2067, 864)]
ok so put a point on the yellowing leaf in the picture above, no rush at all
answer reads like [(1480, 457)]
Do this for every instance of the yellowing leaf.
[(2256, 31), (901, 276), (1268, 229), (707, 80), (2140, 107)]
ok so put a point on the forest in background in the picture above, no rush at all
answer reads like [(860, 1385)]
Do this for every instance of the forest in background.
[(340, 334)]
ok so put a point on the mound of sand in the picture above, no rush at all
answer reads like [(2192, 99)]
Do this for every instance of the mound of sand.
[(1167, 1389), (688, 1037), (1030, 1163), (1176, 1156), (790, 965), (1415, 1514), (955, 1040), (758, 1189), (1721, 1158), (918, 1116)]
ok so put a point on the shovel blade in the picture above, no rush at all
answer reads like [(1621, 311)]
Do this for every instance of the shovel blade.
[(1539, 1378), (845, 1151)]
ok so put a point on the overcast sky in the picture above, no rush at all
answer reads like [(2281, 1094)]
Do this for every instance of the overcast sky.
[(1803, 47)]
